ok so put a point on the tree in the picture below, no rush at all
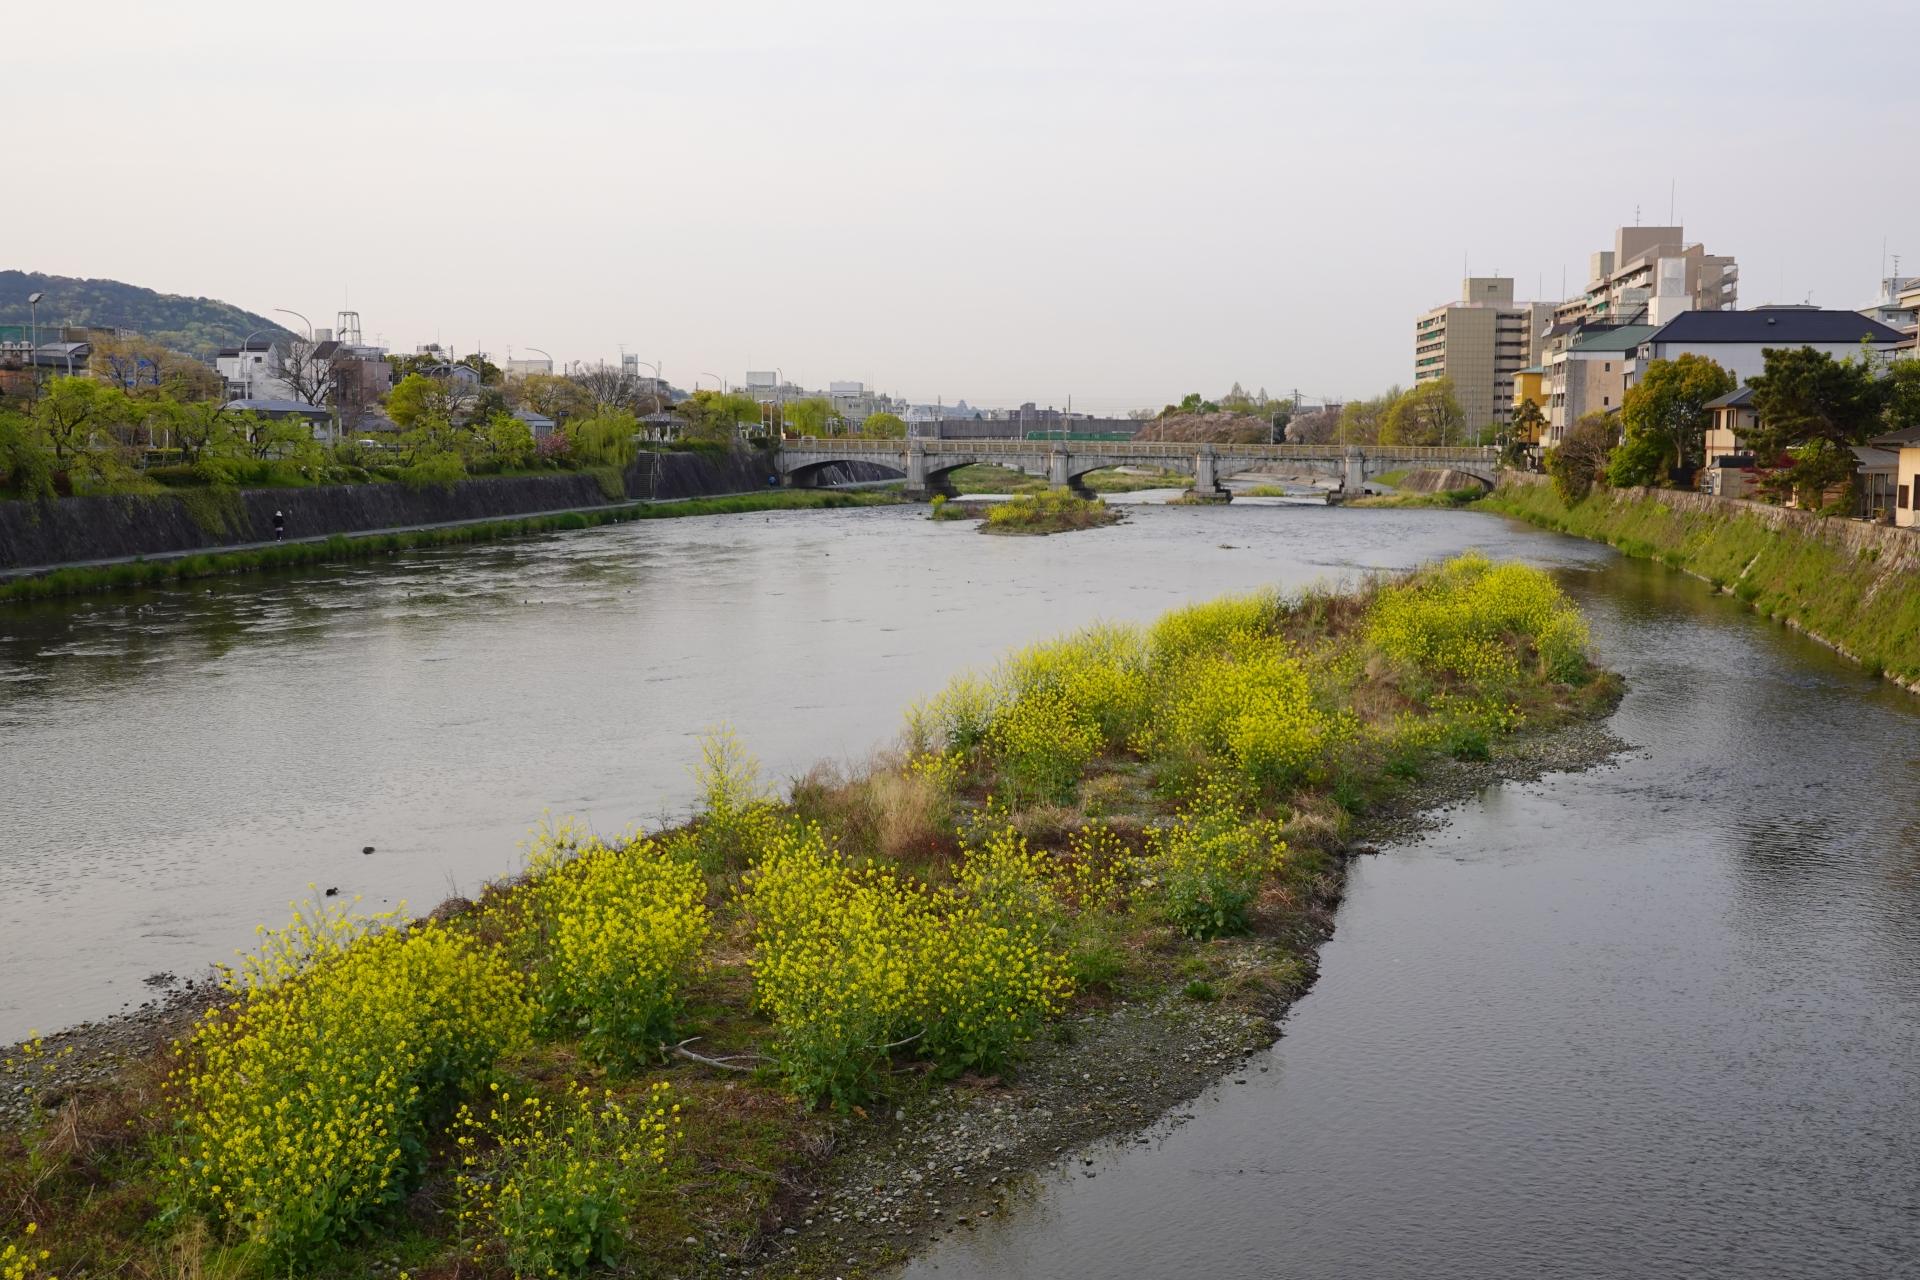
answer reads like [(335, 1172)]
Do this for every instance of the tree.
[(141, 367), (810, 416), (1425, 415), (1192, 402), (311, 370), (885, 426), (74, 415), (715, 415), (1581, 460), (1664, 419), (1361, 421), (490, 373), (1317, 426), (550, 396), (25, 467), (1900, 395), (199, 427), (605, 440), (263, 437), (610, 388), (1805, 395), (508, 441), (1529, 424), (1812, 410), (420, 396)]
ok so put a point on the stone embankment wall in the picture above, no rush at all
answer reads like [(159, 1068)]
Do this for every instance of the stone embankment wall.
[(73, 530), (1443, 481), (1851, 584)]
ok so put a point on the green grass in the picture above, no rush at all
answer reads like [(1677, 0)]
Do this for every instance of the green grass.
[(1394, 477), (1857, 603), (343, 547), (1445, 498), (1055, 511), (1129, 482)]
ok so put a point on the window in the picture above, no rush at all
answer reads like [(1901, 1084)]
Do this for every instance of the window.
[(1608, 367), (1606, 402), (1903, 497)]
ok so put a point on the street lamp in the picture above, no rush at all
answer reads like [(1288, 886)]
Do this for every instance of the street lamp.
[(656, 380), (33, 314), (303, 320), (246, 366), (548, 355)]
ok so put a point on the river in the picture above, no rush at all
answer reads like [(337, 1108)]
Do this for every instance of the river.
[(1661, 1018)]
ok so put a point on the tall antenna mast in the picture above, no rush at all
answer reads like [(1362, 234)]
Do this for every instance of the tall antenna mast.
[(1673, 186)]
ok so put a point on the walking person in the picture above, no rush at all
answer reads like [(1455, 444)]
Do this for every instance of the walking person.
[(279, 526)]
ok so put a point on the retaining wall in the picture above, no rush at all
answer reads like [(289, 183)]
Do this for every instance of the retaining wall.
[(70, 530)]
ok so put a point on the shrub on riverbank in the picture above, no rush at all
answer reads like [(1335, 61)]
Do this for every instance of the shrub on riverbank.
[(617, 932), (546, 1185), (310, 1103), (922, 920), (1055, 511)]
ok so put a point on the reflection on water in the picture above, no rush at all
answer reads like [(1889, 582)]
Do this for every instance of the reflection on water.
[(1658, 1019), (180, 764)]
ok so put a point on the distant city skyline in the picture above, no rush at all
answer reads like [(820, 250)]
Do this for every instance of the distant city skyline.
[(999, 201)]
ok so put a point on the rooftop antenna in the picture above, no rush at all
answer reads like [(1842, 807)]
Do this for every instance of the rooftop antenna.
[(1673, 186), (1636, 214)]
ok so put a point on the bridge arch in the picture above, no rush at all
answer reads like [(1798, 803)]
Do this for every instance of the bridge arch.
[(809, 475)]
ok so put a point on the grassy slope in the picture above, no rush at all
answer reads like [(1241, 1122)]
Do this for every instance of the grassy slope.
[(1851, 601)]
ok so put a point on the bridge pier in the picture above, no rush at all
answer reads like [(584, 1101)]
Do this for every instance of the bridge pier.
[(1353, 480), (922, 484), (1059, 465), (1206, 478)]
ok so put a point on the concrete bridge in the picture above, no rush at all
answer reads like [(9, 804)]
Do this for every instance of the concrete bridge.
[(928, 465)]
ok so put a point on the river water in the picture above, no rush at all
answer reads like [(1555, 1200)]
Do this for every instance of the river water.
[(1657, 1019)]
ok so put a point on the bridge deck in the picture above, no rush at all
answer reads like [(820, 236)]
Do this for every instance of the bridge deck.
[(855, 447)]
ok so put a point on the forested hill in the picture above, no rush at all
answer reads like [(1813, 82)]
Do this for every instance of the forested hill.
[(194, 325)]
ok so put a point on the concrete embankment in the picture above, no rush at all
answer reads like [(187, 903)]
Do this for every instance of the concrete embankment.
[(1852, 585), (69, 531)]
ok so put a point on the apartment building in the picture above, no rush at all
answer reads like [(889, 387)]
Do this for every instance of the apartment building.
[(1482, 342), (1649, 276), (1587, 373)]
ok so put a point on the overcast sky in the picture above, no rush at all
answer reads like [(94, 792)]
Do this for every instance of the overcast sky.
[(993, 200)]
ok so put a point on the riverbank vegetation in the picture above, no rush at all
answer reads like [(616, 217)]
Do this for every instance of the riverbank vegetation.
[(1852, 597), (639, 1054), (1445, 498), (341, 548), (1055, 511), (128, 430)]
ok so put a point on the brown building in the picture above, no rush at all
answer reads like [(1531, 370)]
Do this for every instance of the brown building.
[(1649, 276), (1482, 342)]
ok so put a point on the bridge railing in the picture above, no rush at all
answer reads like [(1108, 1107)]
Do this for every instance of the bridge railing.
[(1145, 449)]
